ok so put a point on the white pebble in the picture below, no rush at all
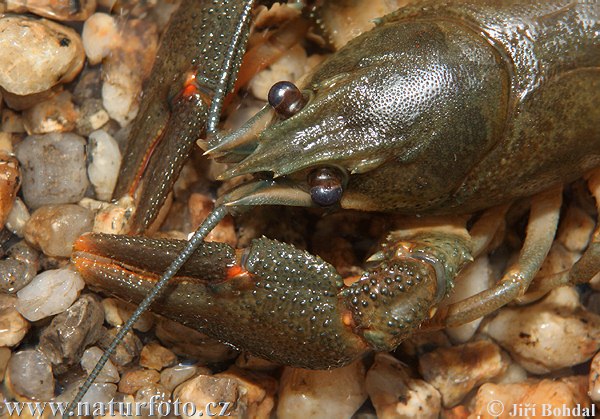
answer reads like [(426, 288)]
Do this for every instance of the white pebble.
[(18, 217), (90, 357), (36, 54), (473, 279), (49, 293), (395, 394), (105, 160), (308, 394), (99, 36), (552, 334)]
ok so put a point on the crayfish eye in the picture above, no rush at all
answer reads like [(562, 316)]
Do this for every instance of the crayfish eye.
[(325, 186), (286, 99)]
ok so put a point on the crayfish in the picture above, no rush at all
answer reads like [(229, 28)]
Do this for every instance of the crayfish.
[(444, 108)]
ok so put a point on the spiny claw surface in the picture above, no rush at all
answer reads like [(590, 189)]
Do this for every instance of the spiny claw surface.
[(280, 303)]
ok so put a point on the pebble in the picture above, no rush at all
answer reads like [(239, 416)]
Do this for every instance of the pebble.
[(12, 122), (99, 35), (24, 102), (54, 228), (455, 371), (173, 376), (5, 355), (307, 393), (54, 9), (555, 333), (13, 327), (92, 116), (395, 394), (54, 169), (200, 206), (555, 398), (126, 351), (36, 54), (70, 332), (18, 268), (205, 389), (10, 181), (594, 379), (156, 357), (49, 293), (133, 380), (29, 374), (185, 341), (116, 312), (127, 49), (152, 394), (56, 114), (105, 161), (17, 218), (474, 278), (257, 391), (100, 393), (108, 374)]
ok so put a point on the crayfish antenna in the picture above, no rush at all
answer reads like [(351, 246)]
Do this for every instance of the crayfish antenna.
[(194, 242)]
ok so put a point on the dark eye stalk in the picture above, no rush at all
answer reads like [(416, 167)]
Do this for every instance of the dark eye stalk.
[(286, 99), (326, 186)]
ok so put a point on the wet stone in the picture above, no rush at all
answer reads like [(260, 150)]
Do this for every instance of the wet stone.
[(173, 376), (5, 355), (49, 293), (69, 333), (594, 379), (12, 122), (54, 169), (54, 228), (116, 313), (92, 116), (157, 357), (126, 351), (395, 394), (36, 54), (563, 394), (57, 114), (13, 327), (205, 389), (307, 393), (108, 374), (132, 381), (29, 374), (18, 268), (153, 393), (105, 161), (455, 371), (54, 9), (10, 181), (257, 391), (17, 218), (554, 333)]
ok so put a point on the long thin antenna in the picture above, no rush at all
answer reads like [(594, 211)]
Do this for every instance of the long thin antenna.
[(207, 226)]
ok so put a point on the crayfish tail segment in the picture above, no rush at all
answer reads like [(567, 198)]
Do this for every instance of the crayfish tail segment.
[(402, 290)]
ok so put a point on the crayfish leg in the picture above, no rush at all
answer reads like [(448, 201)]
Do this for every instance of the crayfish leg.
[(541, 229), (178, 100)]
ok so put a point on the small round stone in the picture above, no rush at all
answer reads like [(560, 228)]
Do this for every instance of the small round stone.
[(49, 293), (54, 228), (54, 169), (105, 161), (36, 54), (108, 374), (29, 374)]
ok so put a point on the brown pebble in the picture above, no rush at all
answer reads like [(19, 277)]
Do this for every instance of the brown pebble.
[(132, 381), (10, 181), (156, 357), (543, 398), (457, 370)]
